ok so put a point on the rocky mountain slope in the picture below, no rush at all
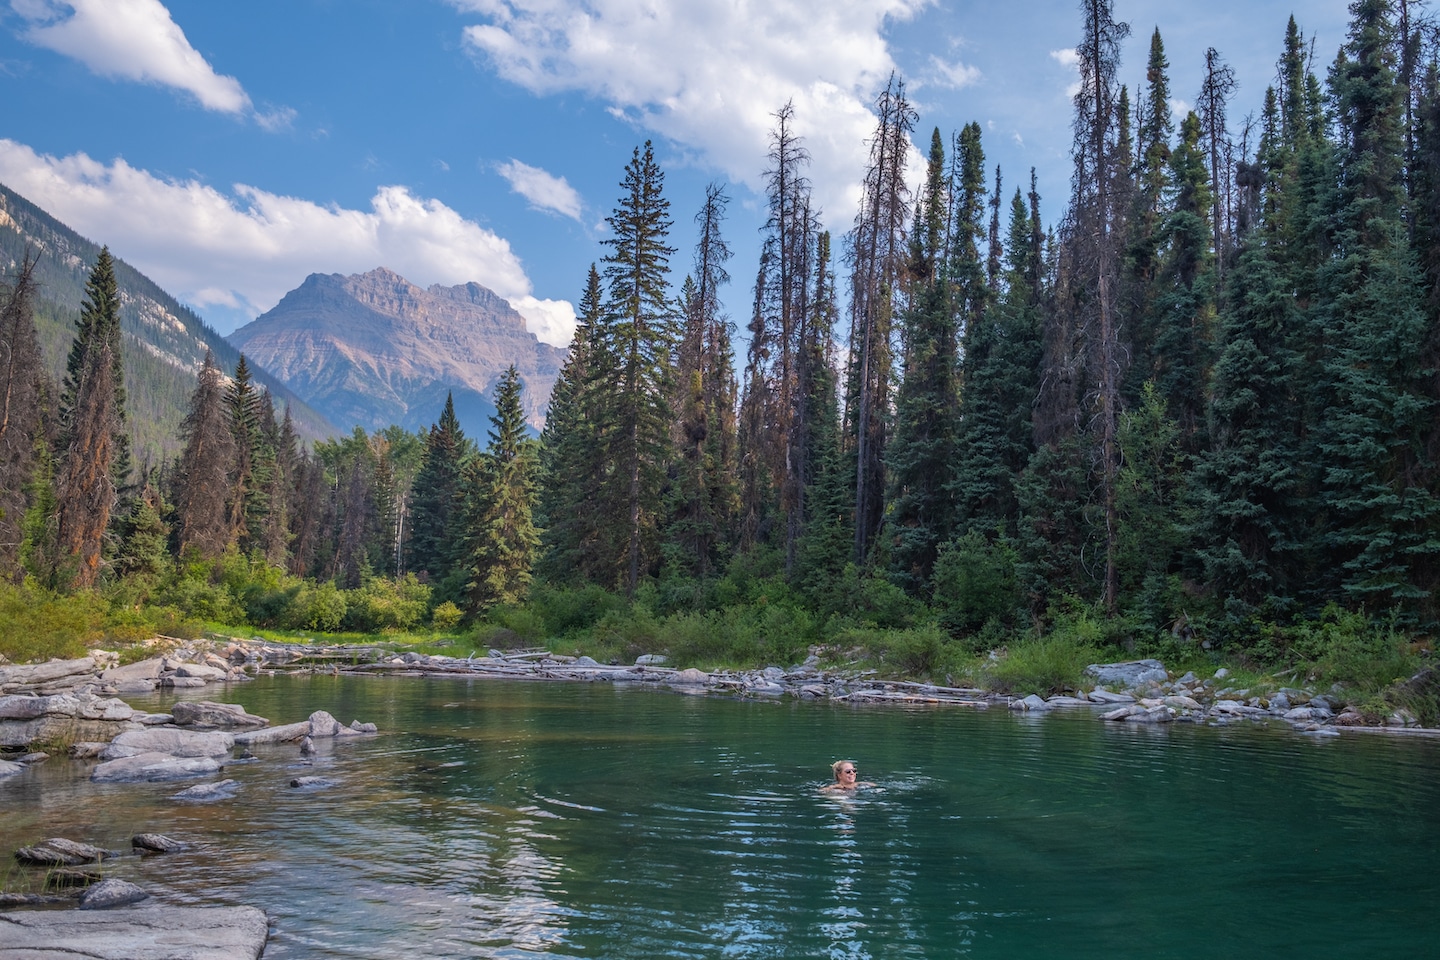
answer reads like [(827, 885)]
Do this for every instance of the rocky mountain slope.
[(375, 349), (164, 342)]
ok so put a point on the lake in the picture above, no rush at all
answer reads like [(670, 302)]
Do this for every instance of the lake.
[(506, 819)]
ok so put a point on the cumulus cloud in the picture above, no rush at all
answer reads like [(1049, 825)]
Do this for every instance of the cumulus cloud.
[(1069, 58), (246, 248), (544, 190), (710, 74), (954, 75), (1179, 108), (137, 40)]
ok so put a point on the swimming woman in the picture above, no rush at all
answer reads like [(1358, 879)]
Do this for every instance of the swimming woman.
[(845, 775)]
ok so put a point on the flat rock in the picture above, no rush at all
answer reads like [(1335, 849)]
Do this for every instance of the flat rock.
[(284, 733), (208, 792), (143, 670), (177, 743), (182, 682), (1130, 673), (8, 769), (201, 671), (135, 933), (16, 676), (158, 843), (153, 767), (1106, 696), (690, 676), (203, 714), (60, 852)]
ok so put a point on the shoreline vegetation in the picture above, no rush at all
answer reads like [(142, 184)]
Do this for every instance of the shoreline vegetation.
[(1378, 675), (1193, 420)]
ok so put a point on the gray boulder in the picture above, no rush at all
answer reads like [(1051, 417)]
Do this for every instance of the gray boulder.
[(1105, 696), (177, 743), (1030, 703), (111, 893), (651, 660), (143, 670), (150, 932), (312, 783), (1129, 674), (205, 715), (8, 769), (38, 676), (59, 852), (201, 671), (153, 767)]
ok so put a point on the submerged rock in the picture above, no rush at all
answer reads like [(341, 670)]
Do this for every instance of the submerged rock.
[(207, 792), (153, 767)]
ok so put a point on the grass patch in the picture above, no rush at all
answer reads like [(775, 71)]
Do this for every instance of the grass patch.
[(1047, 665)]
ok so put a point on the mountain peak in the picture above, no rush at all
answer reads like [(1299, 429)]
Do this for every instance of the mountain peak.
[(374, 349)]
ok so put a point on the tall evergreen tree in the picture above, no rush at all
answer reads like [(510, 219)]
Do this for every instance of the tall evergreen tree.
[(921, 455), (501, 539), (641, 324), (21, 414), (93, 411), (435, 517), (203, 478)]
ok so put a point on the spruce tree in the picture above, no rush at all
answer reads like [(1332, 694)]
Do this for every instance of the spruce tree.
[(436, 516), (93, 423), (501, 539), (572, 466), (640, 324), (21, 415), (921, 455), (203, 478)]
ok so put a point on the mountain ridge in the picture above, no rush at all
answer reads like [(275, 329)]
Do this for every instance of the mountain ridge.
[(375, 349)]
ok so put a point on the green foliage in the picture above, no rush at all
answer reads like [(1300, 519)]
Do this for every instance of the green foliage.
[(384, 603), (975, 583), (1050, 664), (38, 624), (567, 611), (316, 606), (919, 652), (740, 636), (446, 616)]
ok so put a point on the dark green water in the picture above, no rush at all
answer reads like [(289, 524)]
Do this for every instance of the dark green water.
[(570, 820)]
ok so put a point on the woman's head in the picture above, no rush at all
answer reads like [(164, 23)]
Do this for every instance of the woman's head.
[(844, 771)]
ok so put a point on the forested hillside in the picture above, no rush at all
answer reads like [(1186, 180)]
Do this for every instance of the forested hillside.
[(165, 340)]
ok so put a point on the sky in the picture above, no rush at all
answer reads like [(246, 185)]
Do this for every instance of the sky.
[(228, 150)]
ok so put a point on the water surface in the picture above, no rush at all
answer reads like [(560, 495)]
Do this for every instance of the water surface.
[(506, 819)]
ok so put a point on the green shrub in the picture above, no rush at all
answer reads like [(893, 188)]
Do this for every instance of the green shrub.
[(1051, 664), (386, 603), (36, 625), (569, 610), (317, 606), (975, 583), (524, 624), (446, 617)]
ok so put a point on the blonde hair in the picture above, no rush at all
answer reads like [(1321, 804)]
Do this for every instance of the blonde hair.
[(835, 767)]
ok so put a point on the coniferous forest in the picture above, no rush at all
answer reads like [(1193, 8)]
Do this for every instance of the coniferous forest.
[(1191, 410)]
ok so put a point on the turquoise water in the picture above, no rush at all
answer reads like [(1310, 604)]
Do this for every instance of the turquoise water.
[(494, 819)]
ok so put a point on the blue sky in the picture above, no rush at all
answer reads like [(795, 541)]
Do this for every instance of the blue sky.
[(230, 149)]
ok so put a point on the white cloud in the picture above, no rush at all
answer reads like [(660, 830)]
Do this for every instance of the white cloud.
[(247, 248), (709, 74), (1179, 108), (954, 75), (138, 40), (544, 190), (1069, 58)]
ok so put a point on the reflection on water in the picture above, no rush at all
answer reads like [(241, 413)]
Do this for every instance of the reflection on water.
[(524, 820)]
